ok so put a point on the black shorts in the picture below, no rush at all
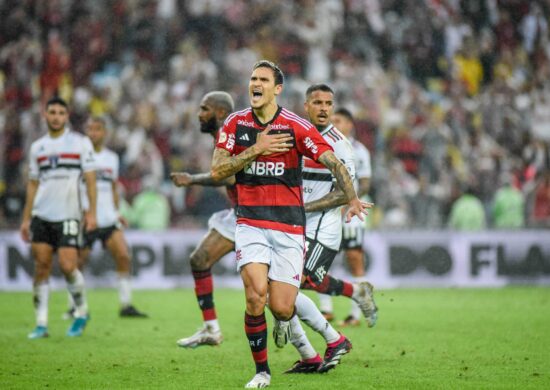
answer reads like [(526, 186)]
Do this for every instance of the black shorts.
[(319, 258), (352, 237), (56, 234), (102, 234)]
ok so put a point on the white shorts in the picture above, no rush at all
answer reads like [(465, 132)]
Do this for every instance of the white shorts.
[(224, 222), (282, 252)]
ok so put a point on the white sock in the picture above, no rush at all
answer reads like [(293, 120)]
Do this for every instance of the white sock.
[(124, 289), (41, 294), (70, 300), (213, 325), (325, 303), (75, 285), (310, 314), (300, 340), (355, 310)]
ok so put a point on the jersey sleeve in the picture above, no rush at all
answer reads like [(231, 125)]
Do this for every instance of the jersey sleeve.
[(344, 152), (363, 168), (87, 160), (309, 141), (33, 163), (226, 136)]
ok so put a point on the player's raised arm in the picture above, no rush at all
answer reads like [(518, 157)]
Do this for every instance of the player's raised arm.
[(345, 182), (225, 165)]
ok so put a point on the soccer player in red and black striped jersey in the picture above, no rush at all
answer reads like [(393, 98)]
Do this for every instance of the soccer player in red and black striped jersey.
[(263, 147), (214, 108)]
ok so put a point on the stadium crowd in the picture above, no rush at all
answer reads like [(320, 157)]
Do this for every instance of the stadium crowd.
[(450, 96)]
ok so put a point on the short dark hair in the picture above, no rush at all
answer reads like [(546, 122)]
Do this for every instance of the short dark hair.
[(345, 113), (318, 87), (57, 100), (277, 72)]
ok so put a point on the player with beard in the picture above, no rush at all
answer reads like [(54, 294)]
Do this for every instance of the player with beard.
[(52, 214), (214, 108), (263, 147)]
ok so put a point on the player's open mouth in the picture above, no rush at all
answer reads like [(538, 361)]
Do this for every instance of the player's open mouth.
[(256, 95)]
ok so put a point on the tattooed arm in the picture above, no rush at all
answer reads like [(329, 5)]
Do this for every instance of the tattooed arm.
[(331, 200), (345, 182), (184, 179), (339, 171), (225, 165)]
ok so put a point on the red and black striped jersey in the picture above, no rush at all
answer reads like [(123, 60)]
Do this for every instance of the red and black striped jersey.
[(269, 189)]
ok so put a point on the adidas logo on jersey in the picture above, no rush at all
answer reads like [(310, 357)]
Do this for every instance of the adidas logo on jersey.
[(244, 137)]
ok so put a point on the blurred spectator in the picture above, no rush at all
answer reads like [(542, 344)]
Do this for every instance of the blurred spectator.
[(508, 211), (150, 208), (451, 89), (539, 210), (467, 213)]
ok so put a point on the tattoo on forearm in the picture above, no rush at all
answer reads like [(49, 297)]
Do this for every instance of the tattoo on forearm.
[(206, 179), (331, 200), (224, 165), (345, 182)]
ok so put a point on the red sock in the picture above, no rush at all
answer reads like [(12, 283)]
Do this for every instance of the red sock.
[(204, 288)]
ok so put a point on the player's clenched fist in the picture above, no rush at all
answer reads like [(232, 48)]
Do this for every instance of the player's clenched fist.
[(181, 179)]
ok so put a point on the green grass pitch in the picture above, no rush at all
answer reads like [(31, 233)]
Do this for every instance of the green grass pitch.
[(424, 339)]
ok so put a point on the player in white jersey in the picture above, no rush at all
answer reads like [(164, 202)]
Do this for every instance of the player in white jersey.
[(352, 241), (52, 214), (323, 205), (109, 222)]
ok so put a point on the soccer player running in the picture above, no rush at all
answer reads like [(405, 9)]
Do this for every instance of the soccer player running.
[(323, 205), (109, 221), (52, 215), (352, 241), (214, 108), (263, 147)]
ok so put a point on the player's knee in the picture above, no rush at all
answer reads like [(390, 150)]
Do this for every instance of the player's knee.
[(255, 302), (199, 259), (282, 312)]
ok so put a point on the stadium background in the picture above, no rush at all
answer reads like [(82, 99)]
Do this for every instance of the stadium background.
[(448, 95)]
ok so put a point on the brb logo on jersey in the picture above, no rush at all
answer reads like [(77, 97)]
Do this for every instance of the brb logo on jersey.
[(311, 145), (265, 168)]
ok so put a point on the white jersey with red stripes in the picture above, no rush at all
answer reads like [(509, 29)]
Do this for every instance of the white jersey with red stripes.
[(57, 164), (326, 226), (107, 166)]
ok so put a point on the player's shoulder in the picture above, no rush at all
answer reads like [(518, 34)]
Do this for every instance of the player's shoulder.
[(337, 140), (295, 119), (360, 148), (77, 138), (238, 115), (109, 153)]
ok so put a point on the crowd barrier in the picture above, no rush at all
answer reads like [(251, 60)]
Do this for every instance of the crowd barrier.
[(393, 259)]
